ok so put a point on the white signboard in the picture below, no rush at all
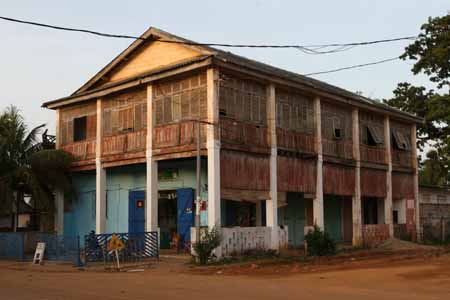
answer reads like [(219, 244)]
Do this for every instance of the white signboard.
[(39, 254)]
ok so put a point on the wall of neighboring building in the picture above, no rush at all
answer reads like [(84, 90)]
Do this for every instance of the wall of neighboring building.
[(434, 213)]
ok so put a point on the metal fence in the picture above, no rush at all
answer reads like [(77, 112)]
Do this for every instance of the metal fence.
[(12, 245), (21, 246), (137, 247)]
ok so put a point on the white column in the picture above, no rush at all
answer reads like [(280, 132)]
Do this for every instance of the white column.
[(59, 212), (318, 200), (416, 181), (151, 219), (100, 177), (272, 203), (356, 205), (213, 147), (388, 214)]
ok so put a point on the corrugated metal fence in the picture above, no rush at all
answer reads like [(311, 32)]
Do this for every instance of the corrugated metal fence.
[(21, 246)]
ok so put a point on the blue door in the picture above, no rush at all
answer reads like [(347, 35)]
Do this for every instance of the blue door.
[(136, 212), (185, 213)]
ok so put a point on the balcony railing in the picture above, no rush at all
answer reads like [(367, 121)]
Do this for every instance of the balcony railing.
[(296, 141), (338, 148), (126, 142), (372, 154), (81, 150), (401, 158)]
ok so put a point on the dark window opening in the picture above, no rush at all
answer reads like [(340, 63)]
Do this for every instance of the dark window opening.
[(222, 113), (79, 129), (370, 208), (395, 216), (338, 133)]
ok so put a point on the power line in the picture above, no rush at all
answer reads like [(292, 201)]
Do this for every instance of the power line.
[(354, 66), (309, 49)]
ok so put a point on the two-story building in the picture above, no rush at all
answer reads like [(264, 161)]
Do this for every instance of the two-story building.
[(280, 151)]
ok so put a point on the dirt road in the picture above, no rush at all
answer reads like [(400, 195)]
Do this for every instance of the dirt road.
[(410, 279)]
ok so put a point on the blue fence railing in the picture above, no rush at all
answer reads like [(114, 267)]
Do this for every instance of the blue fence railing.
[(137, 246), (21, 246)]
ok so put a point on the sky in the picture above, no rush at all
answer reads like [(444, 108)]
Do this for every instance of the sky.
[(38, 65)]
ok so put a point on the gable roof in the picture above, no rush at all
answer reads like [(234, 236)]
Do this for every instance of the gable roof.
[(225, 57)]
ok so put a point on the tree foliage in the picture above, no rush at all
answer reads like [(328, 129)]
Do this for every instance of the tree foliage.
[(25, 167), (431, 53)]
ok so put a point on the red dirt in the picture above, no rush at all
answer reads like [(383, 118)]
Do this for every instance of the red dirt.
[(402, 275)]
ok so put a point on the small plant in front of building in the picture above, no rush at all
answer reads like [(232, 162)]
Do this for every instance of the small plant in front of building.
[(319, 243), (209, 240)]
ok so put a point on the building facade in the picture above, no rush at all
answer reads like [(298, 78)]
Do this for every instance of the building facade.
[(280, 151)]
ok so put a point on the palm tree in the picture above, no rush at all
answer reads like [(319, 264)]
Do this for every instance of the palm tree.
[(26, 168)]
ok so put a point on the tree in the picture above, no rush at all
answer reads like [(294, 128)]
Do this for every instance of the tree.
[(431, 53), (27, 169), (434, 172)]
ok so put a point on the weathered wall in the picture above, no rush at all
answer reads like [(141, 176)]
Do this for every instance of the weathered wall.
[(336, 117), (373, 183), (296, 174), (338, 180), (243, 171), (402, 185)]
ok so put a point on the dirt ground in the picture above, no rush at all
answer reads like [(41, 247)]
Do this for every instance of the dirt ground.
[(404, 274)]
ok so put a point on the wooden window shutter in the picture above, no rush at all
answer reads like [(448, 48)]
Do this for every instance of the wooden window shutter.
[(144, 115), (159, 114), (107, 128), (167, 108), (185, 107), (375, 134), (138, 118), (91, 127), (114, 121), (176, 108), (194, 103), (203, 103), (263, 109), (70, 131), (63, 132)]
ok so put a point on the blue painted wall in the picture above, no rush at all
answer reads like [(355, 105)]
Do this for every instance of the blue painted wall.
[(80, 220)]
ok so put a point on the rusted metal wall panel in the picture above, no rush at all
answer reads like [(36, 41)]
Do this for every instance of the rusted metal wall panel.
[(338, 180), (239, 170), (373, 183), (402, 185), (296, 174)]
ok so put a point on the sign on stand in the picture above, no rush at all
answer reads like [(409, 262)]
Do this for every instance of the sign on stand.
[(39, 254)]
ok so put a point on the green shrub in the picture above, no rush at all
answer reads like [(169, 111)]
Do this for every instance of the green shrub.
[(319, 243), (209, 240)]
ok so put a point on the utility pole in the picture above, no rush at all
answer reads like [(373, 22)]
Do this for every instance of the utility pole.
[(199, 186)]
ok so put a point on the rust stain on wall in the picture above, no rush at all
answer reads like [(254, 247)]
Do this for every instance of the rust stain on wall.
[(373, 183), (338, 180), (296, 174), (244, 171)]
